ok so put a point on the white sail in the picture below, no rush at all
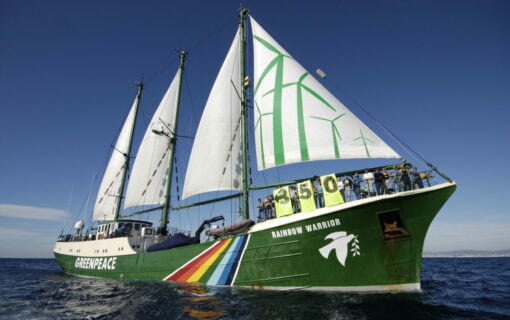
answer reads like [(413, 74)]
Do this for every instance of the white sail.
[(109, 191), (148, 179), (296, 118), (215, 162)]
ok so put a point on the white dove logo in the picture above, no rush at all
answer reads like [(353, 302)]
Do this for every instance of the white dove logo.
[(339, 243)]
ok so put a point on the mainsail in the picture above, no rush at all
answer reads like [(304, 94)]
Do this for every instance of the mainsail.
[(109, 193), (215, 162), (148, 180), (296, 118)]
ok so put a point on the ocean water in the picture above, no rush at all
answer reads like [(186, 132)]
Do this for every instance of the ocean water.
[(452, 288)]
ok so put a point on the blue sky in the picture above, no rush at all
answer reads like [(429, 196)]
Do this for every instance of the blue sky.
[(436, 73)]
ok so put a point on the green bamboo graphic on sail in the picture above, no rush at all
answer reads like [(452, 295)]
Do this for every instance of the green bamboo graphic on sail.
[(364, 140), (259, 127), (334, 132), (277, 64), (277, 93), (296, 118)]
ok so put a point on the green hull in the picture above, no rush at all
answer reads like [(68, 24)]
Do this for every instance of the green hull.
[(373, 244)]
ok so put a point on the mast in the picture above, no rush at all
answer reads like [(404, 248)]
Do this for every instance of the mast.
[(127, 155), (244, 118), (173, 140)]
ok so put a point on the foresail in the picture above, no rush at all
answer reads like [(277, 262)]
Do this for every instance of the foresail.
[(296, 119), (109, 191), (215, 162), (147, 183)]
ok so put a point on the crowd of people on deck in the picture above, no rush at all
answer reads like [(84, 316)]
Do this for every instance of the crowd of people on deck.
[(355, 186)]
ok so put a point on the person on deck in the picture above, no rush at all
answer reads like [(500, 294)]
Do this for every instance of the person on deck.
[(294, 199), (418, 182), (356, 186), (319, 198), (260, 206), (394, 180), (347, 182), (386, 179), (368, 178), (404, 177), (268, 206), (379, 182)]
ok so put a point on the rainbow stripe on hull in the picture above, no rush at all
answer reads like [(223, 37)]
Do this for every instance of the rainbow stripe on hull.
[(216, 265)]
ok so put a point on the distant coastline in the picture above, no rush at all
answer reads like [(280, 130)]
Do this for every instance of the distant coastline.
[(468, 254)]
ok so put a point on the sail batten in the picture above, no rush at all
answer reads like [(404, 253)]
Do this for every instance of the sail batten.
[(215, 161), (147, 184), (296, 119), (110, 190)]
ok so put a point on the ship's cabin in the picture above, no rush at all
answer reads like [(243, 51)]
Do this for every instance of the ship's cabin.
[(110, 229), (122, 228)]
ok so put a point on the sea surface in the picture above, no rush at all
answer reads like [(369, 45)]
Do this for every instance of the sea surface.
[(452, 288)]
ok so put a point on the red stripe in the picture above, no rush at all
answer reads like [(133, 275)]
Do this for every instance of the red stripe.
[(187, 271)]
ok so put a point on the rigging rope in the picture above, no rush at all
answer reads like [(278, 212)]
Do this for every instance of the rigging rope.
[(399, 141)]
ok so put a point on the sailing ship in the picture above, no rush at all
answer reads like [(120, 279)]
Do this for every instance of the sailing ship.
[(316, 233)]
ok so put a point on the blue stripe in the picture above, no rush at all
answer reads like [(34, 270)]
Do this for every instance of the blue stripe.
[(227, 275), (220, 276)]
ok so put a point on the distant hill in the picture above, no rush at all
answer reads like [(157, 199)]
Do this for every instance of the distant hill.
[(468, 253)]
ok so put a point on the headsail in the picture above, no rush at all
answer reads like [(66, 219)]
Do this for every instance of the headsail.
[(215, 162), (296, 118), (109, 193), (147, 184)]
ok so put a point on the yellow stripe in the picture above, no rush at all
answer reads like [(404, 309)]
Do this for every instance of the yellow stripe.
[(204, 267)]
